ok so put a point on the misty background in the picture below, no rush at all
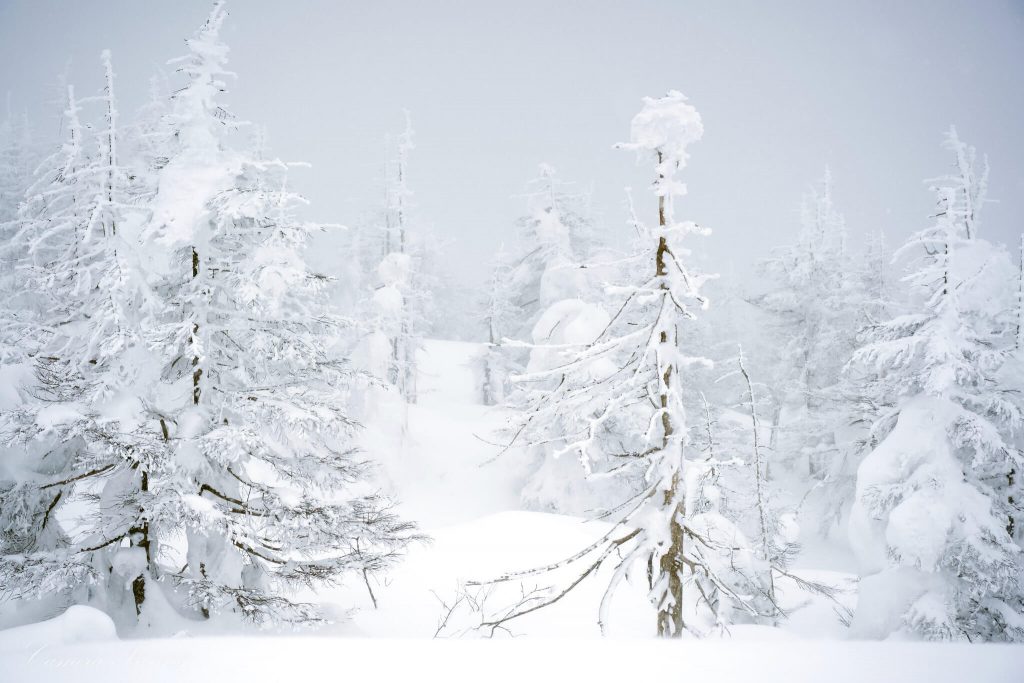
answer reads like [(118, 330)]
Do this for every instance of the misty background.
[(785, 88)]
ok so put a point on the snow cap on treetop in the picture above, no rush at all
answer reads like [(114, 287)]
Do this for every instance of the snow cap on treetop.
[(667, 125)]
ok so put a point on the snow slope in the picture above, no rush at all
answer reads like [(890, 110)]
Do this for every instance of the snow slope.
[(445, 470)]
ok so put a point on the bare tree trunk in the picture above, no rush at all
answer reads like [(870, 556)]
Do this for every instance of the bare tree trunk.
[(1011, 522), (759, 474), (670, 612), (111, 160), (197, 371), (489, 393), (401, 206), (387, 197), (139, 537), (1020, 299), (138, 534), (670, 615)]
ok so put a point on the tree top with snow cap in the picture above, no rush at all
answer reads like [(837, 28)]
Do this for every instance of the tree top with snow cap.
[(665, 125)]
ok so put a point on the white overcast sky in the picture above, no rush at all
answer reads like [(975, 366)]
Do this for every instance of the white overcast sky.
[(494, 88)]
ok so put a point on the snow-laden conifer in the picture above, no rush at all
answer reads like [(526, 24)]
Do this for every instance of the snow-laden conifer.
[(82, 332), (814, 321), (555, 241), (930, 519), (263, 474), (186, 411), (616, 402), (400, 300)]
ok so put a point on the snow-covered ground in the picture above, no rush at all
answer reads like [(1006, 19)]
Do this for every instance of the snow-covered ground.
[(80, 646), (443, 468)]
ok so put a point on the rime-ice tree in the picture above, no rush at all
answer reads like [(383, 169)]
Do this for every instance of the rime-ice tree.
[(548, 266), (1019, 308), (875, 279), (1011, 380), (194, 422), (16, 163), (555, 240), (737, 462), (617, 402), (148, 140), (400, 297), (78, 449), (815, 323), (499, 317), (858, 398), (263, 474), (930, 518), (17, 166)]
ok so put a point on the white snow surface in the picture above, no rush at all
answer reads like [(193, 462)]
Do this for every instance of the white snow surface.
[(300, 659)]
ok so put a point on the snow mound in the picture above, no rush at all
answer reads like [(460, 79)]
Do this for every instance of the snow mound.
[(79, 624)]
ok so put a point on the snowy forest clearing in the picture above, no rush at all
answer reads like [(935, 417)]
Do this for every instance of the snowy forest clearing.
[(219, 418), (449, 474)]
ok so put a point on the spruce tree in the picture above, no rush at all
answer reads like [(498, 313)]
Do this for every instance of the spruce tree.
[(930, 516), (185, 398)]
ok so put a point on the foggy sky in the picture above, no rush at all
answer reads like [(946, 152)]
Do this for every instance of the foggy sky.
[(785, 88)]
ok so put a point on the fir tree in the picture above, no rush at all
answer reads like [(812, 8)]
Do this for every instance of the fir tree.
[(185, 396), (929, 521)]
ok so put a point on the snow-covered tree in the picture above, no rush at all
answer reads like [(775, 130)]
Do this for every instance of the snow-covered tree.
[(1011, 380), (616, 403), (499, 317), (556, 238), (815, 328), (818, 295), (81, 329), (930, 516), (858, 398), (1019, 322), (743, 472), (401, 298), (17, 163), (17, 167), (875, 277), (549, 267), (1018, 326), (268, 482), (190, 405), (147, 140)]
